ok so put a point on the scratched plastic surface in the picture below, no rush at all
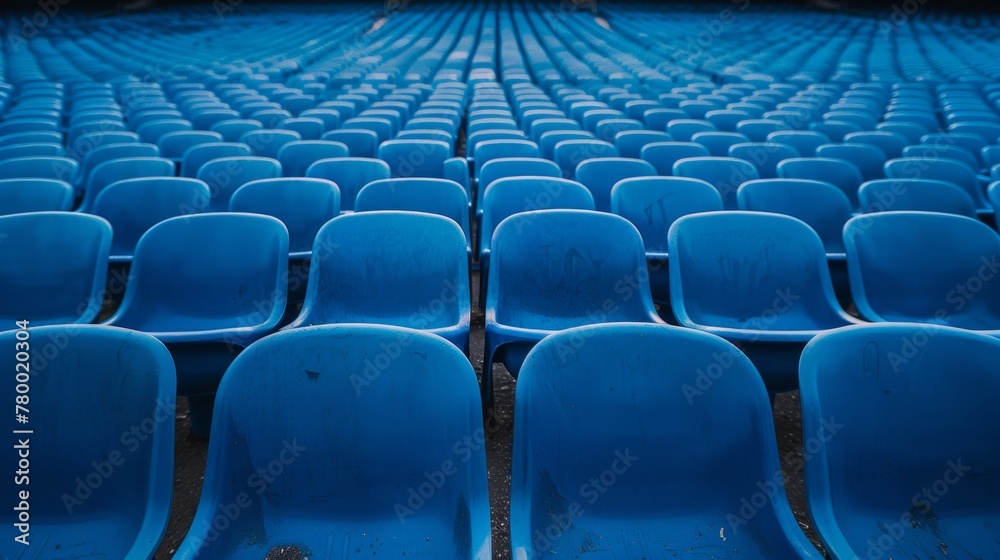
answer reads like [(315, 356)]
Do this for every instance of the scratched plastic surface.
[(924, 267), (922, 485), (594, 477), (102, 492), (407, 269), (365, 431)]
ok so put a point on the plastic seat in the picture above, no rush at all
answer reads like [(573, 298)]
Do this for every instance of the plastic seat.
[(132, 206), (423, 158), (890, 143), (32, 150), (600, 175), (863, 485), (569, 154), (118, 169), (756, 279), (18, 196), (233, 129), (935, 151), (303, 205), (821, 205), (759, 129), (54, 267), (350, 174), (206, 301), (663, 155), (725, 174), (840, 173), (587, 256), (836, 131), (88, 142), (102, 411), (548, 141), (296, 157), (199, 155), (406, 269), (619, 403), (108, 152), (225, 176), (306, 127), (358, 502), (718, 143), (39, 167), (150, 132), (173, 145), (433, 196), (495, 149), (804, 142), (923, 195), (40, 137), (360, 143), (924, 267), (682, 130), (631, 142), (608, 129), (942, 169), (869, 159), (501, 168), (267, 143)]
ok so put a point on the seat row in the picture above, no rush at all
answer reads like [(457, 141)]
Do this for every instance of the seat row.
[(370, 438)]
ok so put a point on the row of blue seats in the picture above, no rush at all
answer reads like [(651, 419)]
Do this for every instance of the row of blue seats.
[(313, 453)]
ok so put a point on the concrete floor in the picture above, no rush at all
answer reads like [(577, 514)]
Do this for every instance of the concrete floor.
[(189, 470)]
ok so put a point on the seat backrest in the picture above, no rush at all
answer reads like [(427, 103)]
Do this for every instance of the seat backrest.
[(752, 271), (841, 173), (758, 129), (389, 268), (513, 167), (942, 169), (39, 167), (173, 145), (331, 375), (933, 151), (220, 271), (653, 204), (548, 140), (924, 267), (726, 174), (360, 142), (599, 175), (225, 175), (199, 155), (351, 174), (568, 154), (232, 129), (415, 158), (108, 152), (18, 196), (302, 204), (718, 143), (629, 391), (822, 206), (585, 255), (682, 130), (891, 143), (805, 142), (125, 168), (132, 206), (420, 194), (54, 267), (268, 142), (904, 380), (631, 142), (923, 195), (663, 155), (507, 196), (869, 159), (119, 381)]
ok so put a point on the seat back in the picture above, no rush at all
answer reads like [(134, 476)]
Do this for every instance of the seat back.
[(585, 255), (302, 204), (18, 196), (922, 195), (600, 175), (869, 159), (102, 442), (653, 204), (942, 169), (115, 170), (821, 205), (321, 397), (924, 267), (804, 142), (415, 158), (569, 154), (54, 267), (351, 175), (433, 196), (725, 174), (663, 155), (841, 173), (226, 175), (765, 156), (906, 380), (750, 271), (511, 195), (199, 155), (268, 142)]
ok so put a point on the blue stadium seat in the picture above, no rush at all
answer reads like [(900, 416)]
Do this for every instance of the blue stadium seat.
[(416, 158), (759, 129), (724, 173), (418, 194), (500, 168), (206, 301), (32, 150), (600, 175), (232, 129), (494, 149), (569, 154), (173, 145), (922, 195), (150, 132), (88, 142), (360, 142), (588, 256), (225, 176), (869, 159), (891, 143), (803, 141), (360, 500), (18, 196), (719, 284), (682, 130), (350, 174), (101, 447), (40, 167), (836, 131), (765, 156), (936, 151), (924, 267), (267, 143), (547, 142), (296, 157), (631, 142), (108, 152), (863, 485), (307, 128), (406, 269), (663, 155), (718, 143), (840, 173), (942, 169), (31, 138), (199, 155), (303, 205), (132, 206), (630, 392), (119, 169)]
